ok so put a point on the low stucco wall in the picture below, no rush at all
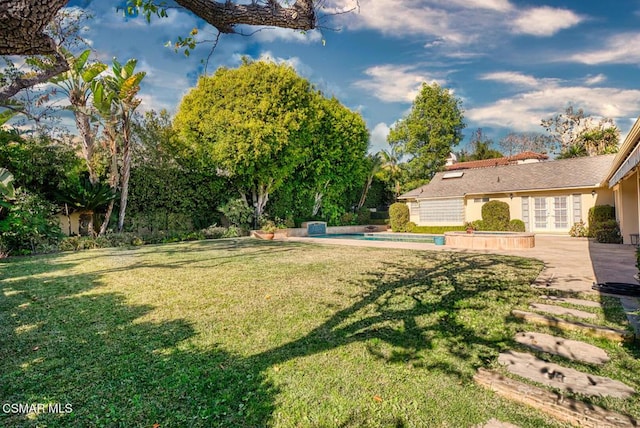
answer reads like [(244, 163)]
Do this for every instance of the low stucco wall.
[(490, 241), (302, 232)]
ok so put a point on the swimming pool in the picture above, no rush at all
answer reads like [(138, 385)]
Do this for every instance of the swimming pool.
[(395, 237)]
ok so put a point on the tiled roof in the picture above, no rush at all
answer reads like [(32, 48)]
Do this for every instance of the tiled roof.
[(486, 163), (557, 174)]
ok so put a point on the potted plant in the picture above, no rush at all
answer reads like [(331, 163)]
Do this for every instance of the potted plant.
[(267, 229)]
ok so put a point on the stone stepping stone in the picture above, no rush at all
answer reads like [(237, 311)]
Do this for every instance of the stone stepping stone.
[(572, 301), (594, 330), (559, 310), (564, 409), (564, 378), (570, 349), (495, 423)]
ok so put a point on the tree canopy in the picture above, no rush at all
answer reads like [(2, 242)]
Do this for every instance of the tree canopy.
[(251, 123), (428, 133)]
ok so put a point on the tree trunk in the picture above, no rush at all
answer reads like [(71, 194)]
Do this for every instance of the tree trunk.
[(110, 132), (363, 198), (87, 134), (124, 178)]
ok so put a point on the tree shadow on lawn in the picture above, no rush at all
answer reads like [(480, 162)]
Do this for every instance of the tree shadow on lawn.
[(60, 344), (412, 308), (92, 351)]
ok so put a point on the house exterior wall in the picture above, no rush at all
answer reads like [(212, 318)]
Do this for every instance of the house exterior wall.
[(64, 223), (577, 205), (627, 197)]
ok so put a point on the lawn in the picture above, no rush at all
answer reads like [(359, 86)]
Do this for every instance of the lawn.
[(246, 333)]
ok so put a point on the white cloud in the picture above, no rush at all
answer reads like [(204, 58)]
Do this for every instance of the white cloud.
[(379, 137), (395, 83), (402, 17), (545, 21), (619, 49), (270, 35), (594, 80), (524, 111), (496, 5), (512, 77)]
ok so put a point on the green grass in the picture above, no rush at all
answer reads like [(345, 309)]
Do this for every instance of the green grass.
[(246, 333)]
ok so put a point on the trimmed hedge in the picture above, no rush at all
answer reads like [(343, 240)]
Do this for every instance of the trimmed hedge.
[(399, 216), (516, 225), (495, 216), (603, 225), (437, 230)]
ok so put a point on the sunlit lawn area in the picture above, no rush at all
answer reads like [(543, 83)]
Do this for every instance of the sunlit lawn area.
[(244, 333)]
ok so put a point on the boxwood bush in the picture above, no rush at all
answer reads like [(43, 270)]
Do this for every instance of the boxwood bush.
[(399, 216), (495, 216)]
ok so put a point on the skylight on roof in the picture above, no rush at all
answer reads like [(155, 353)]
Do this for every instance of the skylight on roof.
[(454, 174)]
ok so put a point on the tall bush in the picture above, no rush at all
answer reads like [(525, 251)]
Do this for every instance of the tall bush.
[(495, 215), (29, 226), (603, 225), (398, 216)]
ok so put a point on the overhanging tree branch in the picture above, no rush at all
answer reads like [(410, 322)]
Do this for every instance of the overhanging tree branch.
[(23, 24), (226, 15)]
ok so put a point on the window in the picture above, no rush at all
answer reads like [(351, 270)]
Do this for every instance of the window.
[(455, 174), (525, 211), (479, 200), (540, 212), (442, 211), (577, 208), (560, 212)]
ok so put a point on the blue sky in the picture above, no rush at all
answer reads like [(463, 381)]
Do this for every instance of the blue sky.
[(511, 62)]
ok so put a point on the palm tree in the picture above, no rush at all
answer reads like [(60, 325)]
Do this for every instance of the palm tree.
[(374, 165), (115, 98), (391, 164), (76, 84)]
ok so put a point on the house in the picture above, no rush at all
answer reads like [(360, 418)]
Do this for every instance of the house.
[(549, 196), (623, 180), (520, 158)]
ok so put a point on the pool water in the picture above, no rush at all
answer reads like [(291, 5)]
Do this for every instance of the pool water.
[(396, 237)]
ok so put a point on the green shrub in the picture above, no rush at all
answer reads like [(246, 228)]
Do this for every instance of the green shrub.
[(517, 225), (478, 225), (398, 216), (29, 226), (238, 212), (436, 230), (411, 227), (232, 232), (579, 230), (600, 217), (601, 213), (213, 232), (364, 216), (608, 232), (348, 219), (495, 215)]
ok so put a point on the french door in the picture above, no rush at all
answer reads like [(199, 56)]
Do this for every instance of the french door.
[(551, 214)]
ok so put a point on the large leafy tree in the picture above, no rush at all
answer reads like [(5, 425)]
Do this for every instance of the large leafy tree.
[(251, 124), (23, 24), (329, 180), (336, 162), (428, 133)]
